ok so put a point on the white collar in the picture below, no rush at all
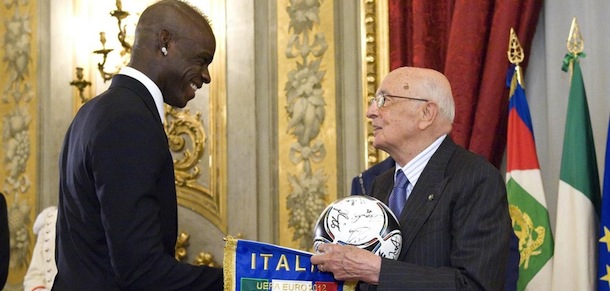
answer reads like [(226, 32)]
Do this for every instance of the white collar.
[(415, 167)]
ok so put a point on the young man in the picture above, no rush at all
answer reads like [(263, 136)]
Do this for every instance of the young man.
[(117, 212)]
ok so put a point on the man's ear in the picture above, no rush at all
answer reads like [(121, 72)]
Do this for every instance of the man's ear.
[(164, 37), (428, 112)]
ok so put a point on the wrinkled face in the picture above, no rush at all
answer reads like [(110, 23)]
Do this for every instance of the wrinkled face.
[(186, 69), (397, 122)]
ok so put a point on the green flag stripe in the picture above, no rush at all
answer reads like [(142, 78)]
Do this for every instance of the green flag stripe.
[(529, 219), (578, 161)]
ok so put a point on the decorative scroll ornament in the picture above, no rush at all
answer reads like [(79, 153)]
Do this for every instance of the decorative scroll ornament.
[(187, 138), (182, 243), (202, 259), (530, 237)]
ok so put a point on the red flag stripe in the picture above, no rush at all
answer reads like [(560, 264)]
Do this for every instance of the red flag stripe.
[(521, 149)]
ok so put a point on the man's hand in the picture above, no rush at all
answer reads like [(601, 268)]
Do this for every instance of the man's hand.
[(348, 263)]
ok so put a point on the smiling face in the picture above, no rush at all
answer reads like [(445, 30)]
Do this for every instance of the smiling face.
[(174, 46), (187, 65)]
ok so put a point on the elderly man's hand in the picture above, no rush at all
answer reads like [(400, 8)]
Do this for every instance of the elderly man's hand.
[(348, 263)]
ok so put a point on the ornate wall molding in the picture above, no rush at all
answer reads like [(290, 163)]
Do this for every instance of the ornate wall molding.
[(307, 122), (19, 107), (375, 60)]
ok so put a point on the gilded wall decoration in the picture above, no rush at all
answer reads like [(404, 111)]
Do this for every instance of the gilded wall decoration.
[(202, 183), (199, 161), (19, 131), (375, 60), (307, 154)]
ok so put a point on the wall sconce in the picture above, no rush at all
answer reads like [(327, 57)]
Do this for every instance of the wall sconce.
[(119, 14), (80, 83)]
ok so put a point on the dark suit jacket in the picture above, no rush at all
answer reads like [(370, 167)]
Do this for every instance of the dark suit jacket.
[(5, 247), (117, 213), (455, 226), (361, 184)]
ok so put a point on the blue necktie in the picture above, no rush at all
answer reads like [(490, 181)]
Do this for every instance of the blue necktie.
[(398, 198)]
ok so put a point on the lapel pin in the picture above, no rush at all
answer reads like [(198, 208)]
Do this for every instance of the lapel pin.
[(430, 197)]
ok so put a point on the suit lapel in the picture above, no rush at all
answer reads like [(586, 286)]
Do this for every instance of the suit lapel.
[(425, 195), (382, 186)]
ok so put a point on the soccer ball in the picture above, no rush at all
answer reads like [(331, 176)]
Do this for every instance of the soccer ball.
[(361, 221)]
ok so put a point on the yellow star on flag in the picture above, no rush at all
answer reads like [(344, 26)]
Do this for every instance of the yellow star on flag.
[(606, 238), (607, 276)]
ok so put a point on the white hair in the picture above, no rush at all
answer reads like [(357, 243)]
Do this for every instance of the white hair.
[(441, 95)]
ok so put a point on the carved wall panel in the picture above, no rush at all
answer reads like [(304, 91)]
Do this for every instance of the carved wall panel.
[(18, 124), (307, 172)]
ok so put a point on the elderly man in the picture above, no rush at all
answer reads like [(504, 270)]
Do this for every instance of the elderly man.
[(451, 203)]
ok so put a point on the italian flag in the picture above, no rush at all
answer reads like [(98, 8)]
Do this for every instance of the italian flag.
[(578, 198), (527, 203)]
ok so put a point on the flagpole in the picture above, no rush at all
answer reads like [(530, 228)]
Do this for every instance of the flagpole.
[(526, 199), (578, 194)]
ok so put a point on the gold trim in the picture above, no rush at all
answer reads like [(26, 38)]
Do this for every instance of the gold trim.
[(575, 42), (531, 237), (229, 262), (375, 61), (515, 56)]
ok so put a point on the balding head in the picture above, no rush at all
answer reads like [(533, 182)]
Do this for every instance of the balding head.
[(176, 17), (413, 108), (426, 84)]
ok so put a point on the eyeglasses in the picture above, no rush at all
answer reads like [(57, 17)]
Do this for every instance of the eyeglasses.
[(380, 99)]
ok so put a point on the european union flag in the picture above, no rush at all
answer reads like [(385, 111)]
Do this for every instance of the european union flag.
[(604, 241)]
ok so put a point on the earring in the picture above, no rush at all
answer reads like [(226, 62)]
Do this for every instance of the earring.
[(164, 51)]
